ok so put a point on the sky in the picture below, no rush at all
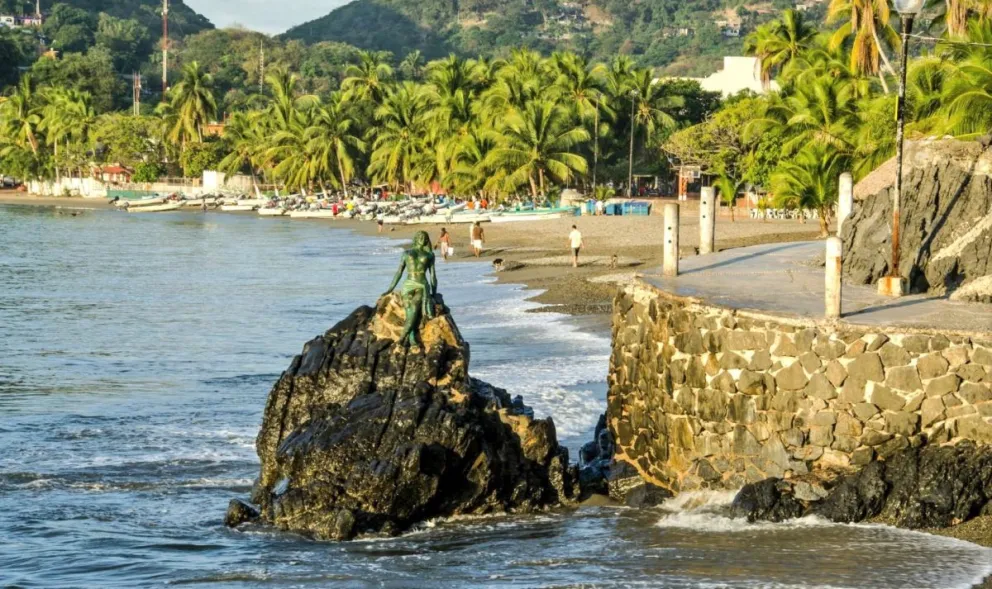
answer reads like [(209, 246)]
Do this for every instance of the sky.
[(268, 16)]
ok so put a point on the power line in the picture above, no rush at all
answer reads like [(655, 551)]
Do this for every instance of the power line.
[(951, 41)]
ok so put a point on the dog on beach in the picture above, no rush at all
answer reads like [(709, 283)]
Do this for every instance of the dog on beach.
[(498, 264)]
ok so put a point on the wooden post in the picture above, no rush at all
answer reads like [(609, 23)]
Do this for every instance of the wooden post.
[(671, 262), (834, 292), (707, 221)]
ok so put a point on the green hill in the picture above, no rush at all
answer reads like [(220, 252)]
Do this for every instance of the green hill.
[(684, 36)]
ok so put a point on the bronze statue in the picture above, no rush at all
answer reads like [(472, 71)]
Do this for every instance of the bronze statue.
[(418, 293)]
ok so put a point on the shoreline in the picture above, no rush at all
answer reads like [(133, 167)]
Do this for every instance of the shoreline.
[(540, 248)]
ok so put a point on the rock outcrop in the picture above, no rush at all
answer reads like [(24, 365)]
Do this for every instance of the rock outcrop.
[(946, 221), (364, 435), (929, 487)]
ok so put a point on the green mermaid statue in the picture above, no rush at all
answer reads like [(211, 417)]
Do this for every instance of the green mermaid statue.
[(418, 292)]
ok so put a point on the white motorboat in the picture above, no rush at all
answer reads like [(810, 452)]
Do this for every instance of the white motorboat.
[(160, 208), (525, 217), (140, 202), (238, 208), (198, 202), (255, 202), (272, 212), (315, 214)]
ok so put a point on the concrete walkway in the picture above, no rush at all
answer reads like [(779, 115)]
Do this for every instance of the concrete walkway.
[(788, 279)]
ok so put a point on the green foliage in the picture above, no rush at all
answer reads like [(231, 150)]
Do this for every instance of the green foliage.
[(127, 41), (12, 55), (92, 72), (126, 139), (198, 157), (811, 181), (147, 172)]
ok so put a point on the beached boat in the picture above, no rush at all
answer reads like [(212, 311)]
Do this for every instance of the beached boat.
[(456, 219), (254, 202), (198, 202), (139, 202), (272, 212), (160, 208), (238, 208), (317, 214), (529, 216)]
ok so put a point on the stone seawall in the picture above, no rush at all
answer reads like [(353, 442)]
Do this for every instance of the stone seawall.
[(706, 397)]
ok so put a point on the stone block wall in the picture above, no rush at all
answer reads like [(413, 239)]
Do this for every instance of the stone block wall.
[(705, 397)]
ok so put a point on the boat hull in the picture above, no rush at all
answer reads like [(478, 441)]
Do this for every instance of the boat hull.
[(173, 206)]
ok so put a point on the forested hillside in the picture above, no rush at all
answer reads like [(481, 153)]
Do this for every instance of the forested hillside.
[(684, 36), (99, 43)]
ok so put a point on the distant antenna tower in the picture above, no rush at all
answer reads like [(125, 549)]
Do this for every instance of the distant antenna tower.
[(165, 46)]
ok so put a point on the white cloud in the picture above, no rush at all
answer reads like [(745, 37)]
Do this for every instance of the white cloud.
[(269, 16)]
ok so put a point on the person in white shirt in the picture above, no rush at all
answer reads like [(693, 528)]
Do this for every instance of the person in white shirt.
[(575, 241), (599, 208)]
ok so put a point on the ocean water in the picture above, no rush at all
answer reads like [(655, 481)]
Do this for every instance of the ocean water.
[(136, 353)]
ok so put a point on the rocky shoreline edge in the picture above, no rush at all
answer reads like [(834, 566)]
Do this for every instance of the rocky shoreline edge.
[(363, 436)]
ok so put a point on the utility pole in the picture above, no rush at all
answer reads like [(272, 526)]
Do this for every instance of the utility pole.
[(261, 67), (136, 93), (165, 47)]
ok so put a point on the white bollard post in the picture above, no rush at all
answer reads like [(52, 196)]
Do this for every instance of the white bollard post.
[(845, 201), (833, 274), (671, 263), (707, 221)]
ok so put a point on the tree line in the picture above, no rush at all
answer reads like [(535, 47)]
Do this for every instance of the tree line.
[(836, 108), (497, 128)]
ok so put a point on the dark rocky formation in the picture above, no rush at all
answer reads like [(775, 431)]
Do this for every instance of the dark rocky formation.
[(946, 225), (929, 487), (363, 435)]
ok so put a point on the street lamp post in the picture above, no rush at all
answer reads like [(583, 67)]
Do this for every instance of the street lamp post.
[(893, 284)]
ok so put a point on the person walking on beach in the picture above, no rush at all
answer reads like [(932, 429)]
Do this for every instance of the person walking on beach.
[(444, 242), (478, 238), (575, 241)]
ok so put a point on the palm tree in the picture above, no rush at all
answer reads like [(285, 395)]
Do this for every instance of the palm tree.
[(367, 80), (192, 100), (398, 136), (957, 14), (21, 118), (729, 188), (581, 87), (536, 145), (245, 134), (293, 158), (333, 142), (868, 28), (823, 59), (468, 174), (67, 117), (822, 112), (655, 105), (779, 43), (811, 181)]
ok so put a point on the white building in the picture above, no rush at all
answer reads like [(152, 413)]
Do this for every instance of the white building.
[(738, 73)]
